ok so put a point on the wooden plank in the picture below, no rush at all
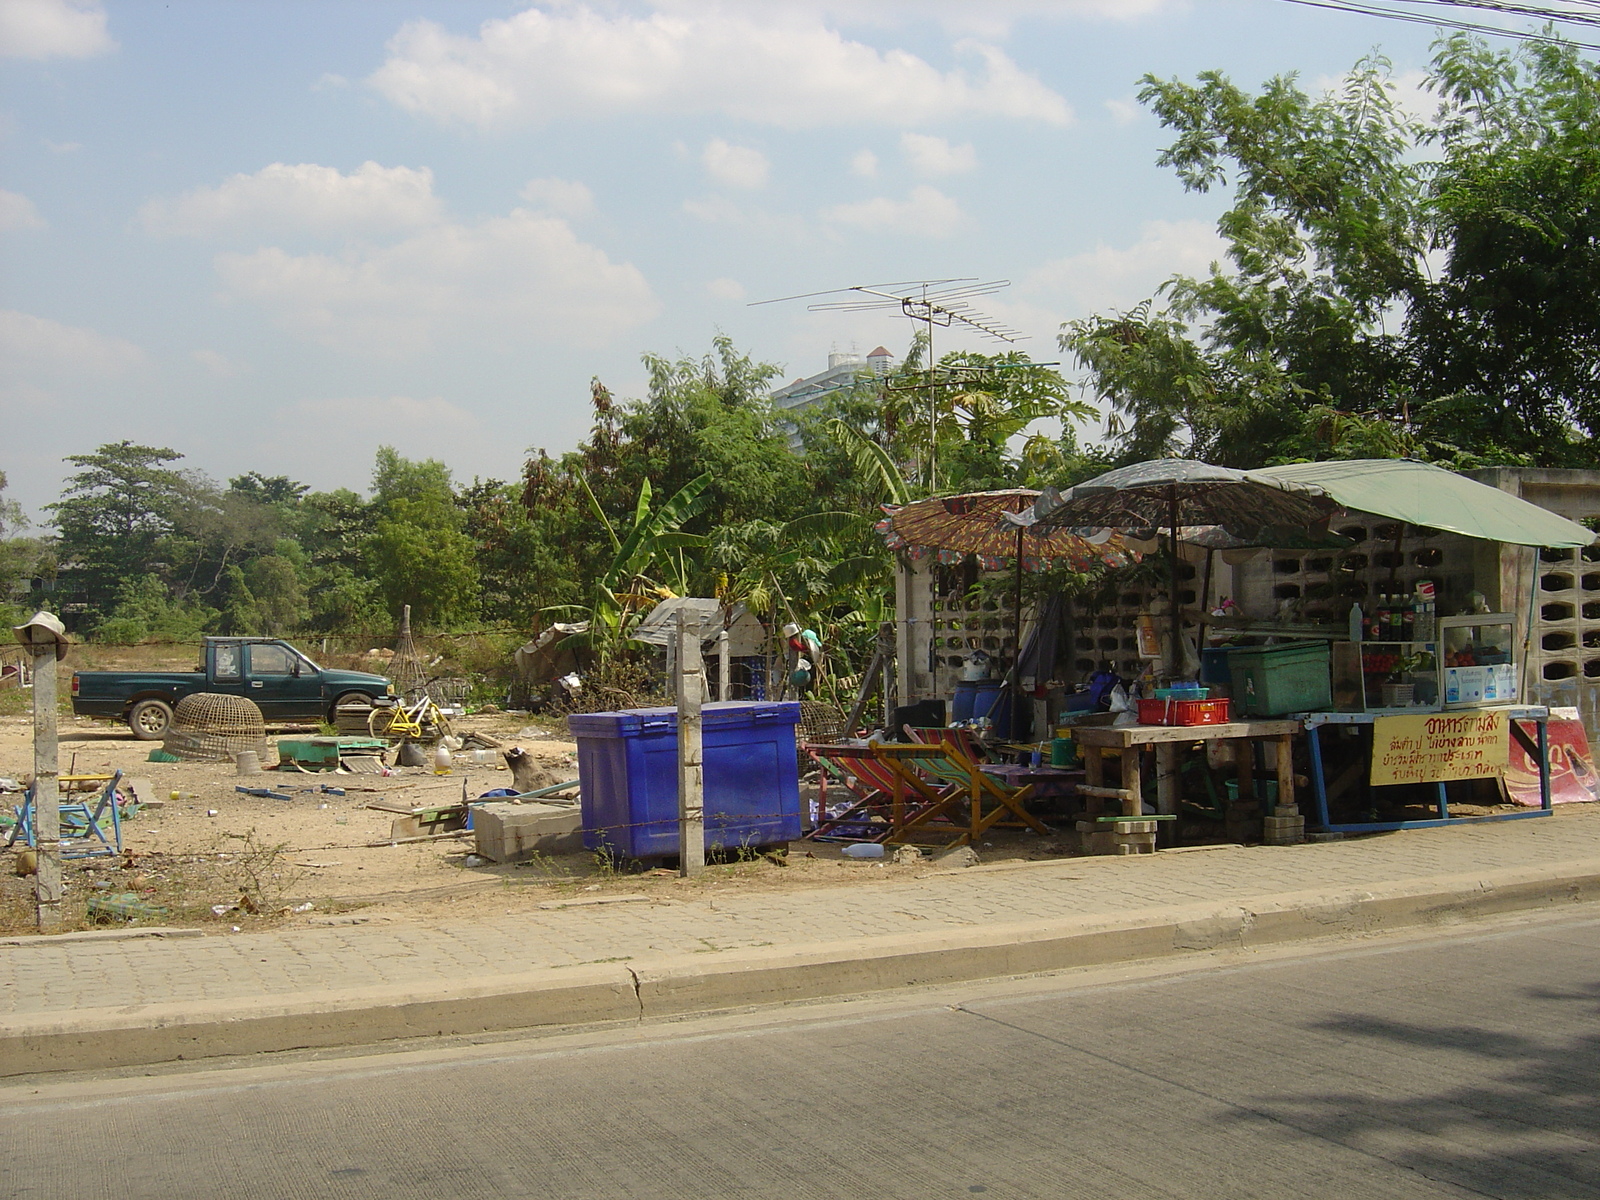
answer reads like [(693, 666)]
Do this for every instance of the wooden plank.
[(1118, 736)]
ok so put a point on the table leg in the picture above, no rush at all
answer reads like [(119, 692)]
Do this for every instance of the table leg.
[(1167, 790), (1133, 806), (1285, 770), (1094, 774), (1244, 762)]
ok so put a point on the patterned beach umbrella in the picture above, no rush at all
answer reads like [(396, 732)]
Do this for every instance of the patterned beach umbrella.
[(949, 528)]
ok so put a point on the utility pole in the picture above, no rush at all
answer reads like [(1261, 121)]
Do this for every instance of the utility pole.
[(691, 685), (45, 636)]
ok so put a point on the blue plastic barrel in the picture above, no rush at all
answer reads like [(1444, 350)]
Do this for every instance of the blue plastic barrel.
[(979, 698)]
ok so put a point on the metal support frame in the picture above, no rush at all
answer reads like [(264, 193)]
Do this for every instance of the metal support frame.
[(1319, 783)]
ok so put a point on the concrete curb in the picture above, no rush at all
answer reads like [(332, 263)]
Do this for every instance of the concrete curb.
[(681, 985)]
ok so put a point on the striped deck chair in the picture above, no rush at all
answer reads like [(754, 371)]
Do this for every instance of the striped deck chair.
[(963, 740), (971, 801), (885, 799)]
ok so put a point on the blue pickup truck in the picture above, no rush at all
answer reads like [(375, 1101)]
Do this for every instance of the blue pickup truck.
[(284, 683)]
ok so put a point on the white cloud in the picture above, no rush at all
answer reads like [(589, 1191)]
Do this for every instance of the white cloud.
[(736, 166), (786, 69), (351, 428), (929, 155), (219, 365), (62, 147), (1119, 277), (18, 212), (927, 212), (32, 346), (992, 18), (506, 280), (726, 289), (1124, 112), (864, 163), (760, 222), (303, 197), (42, 29), (565, 197)]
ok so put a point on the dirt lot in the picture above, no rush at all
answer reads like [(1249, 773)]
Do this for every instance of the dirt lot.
[(316, 847)]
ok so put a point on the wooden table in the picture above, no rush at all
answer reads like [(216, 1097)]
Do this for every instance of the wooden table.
[(1129, 742)]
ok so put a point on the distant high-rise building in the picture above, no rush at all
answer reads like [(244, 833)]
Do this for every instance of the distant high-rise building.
[(845, 370)]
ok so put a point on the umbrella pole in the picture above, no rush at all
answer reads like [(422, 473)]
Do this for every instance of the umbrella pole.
[(1016, 641), (1176, 661)]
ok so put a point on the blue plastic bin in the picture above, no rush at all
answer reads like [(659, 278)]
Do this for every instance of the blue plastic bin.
[(628, 772)]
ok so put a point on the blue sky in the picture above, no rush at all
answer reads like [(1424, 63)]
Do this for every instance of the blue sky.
[(276, 235)]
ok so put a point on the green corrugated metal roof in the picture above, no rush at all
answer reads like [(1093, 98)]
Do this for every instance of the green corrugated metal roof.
[(1421, 494)]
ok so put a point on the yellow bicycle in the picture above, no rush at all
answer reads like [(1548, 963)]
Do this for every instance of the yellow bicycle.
[(422, 721)]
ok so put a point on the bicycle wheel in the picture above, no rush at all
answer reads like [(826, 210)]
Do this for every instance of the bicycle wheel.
[(386, 722), (439, 723)]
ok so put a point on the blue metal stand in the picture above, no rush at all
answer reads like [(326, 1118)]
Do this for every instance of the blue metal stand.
[(83, 823), (1319, 783)]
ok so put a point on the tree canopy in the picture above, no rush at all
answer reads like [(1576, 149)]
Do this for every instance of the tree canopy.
[(1394, 284)]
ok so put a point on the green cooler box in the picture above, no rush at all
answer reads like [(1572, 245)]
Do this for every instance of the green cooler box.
[(1272, 681)]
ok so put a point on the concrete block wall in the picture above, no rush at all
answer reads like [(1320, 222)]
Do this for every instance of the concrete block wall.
[(1563, 667)]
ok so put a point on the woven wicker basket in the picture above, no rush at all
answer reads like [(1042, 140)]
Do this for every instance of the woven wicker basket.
[(208, 727)]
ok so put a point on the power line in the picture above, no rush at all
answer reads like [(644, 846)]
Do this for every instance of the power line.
[(1585, 14)]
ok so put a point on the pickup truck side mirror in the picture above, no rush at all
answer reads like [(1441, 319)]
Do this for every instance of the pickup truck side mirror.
[(295, 671)]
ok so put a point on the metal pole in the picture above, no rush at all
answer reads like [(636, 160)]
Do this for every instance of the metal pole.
[(1172, 587), (691, 680), (46, 792), (933, 408), (1016, 651)]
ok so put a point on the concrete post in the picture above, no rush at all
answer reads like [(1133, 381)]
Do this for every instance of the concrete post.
[(690, 679), (44, 637)]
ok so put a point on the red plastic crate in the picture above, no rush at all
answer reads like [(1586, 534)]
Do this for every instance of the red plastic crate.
[(1183, 712)]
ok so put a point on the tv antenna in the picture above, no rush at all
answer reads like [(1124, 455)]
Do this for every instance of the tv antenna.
[(941, 302)]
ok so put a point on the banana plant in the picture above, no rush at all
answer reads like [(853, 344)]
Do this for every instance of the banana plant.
[(647, 565)]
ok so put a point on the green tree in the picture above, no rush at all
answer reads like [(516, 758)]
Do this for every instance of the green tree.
[(419, 552), (1507, 339), (116, 517), (1324, 334), (20, 556)]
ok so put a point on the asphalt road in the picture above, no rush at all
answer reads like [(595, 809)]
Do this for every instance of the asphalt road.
[(1460, 1065)]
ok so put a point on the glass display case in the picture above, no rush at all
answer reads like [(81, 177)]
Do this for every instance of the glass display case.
[(1381, 676), (1479, 663)]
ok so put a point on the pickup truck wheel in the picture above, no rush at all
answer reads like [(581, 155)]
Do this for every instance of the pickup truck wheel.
[(348, 700), (149, 720)]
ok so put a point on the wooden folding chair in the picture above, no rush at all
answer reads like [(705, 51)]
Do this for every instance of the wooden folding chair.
[(987, 801), (881, 792), (83, 822)]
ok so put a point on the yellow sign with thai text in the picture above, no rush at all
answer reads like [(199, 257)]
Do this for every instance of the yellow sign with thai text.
[(1435, 746)]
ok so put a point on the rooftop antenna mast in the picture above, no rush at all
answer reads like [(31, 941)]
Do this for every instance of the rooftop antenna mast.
[(941, 302)]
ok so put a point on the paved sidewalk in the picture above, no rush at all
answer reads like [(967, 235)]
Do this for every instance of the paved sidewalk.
[(88, 975)]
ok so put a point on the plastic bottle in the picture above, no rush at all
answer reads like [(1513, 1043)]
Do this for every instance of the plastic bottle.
[(1356, 626), (864, 850), (441, 759)]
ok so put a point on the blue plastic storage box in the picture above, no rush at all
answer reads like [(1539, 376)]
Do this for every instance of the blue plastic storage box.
[(628, 772)]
